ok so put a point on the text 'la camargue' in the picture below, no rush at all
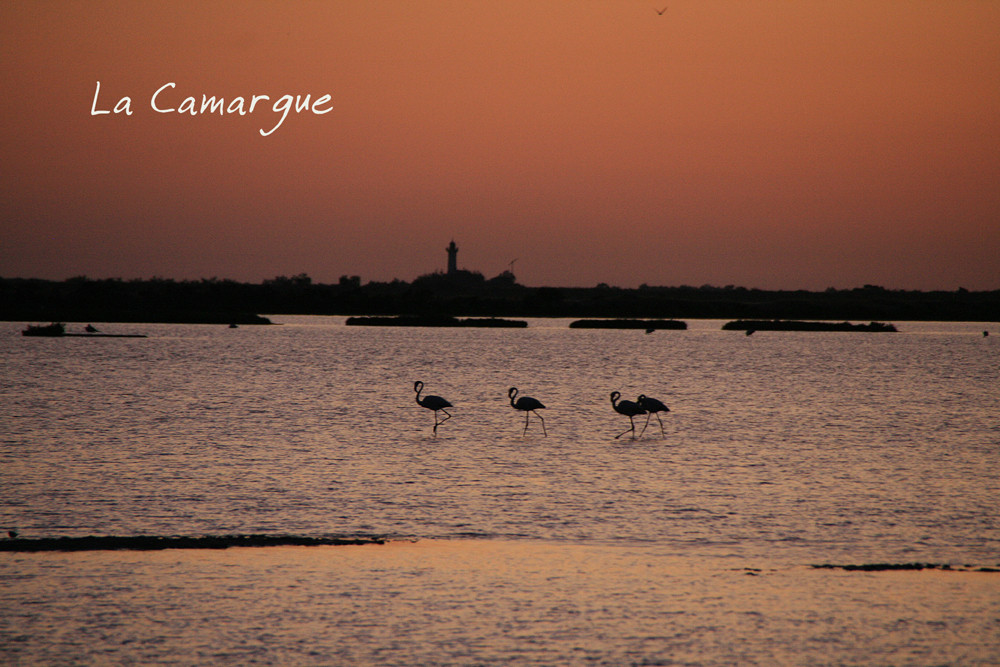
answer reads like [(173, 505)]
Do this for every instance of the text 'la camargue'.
[(164, 100)]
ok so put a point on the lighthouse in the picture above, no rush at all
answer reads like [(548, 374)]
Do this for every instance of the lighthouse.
[(452, 258)]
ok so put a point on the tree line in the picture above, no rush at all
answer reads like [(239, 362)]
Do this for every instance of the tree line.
[(464, 294)]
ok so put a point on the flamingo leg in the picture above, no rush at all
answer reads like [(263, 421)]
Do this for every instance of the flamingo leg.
[(526, 415), (662, 432), (627, 430), (648, 415), (543, 423), (438, 423)]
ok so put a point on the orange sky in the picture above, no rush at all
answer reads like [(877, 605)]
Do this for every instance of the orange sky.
[(773, 144)]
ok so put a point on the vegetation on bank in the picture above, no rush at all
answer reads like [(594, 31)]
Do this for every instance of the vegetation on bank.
[(751, 326), (466, 294), (885, 567), (58, 330), (648, 325), (435, 321), (158, 542)]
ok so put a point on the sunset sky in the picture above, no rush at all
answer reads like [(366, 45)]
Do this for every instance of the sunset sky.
[(792, 144)]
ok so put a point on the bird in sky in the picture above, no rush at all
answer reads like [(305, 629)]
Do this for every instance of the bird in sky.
[(527, 404), (434, 403), (661, 12)]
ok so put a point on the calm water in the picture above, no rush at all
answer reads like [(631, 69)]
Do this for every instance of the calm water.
[(781, 450)]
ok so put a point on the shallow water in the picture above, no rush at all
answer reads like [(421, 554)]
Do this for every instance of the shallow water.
[(781, 450), (485, 602)]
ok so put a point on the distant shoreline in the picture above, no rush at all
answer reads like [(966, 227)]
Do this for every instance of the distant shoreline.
[(750, 326), (404, 321), (160, 542), (466, 295)]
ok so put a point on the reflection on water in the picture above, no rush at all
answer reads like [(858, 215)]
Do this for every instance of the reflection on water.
[(780, 450), (487, 602)]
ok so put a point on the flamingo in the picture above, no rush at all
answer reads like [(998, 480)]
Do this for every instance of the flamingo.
[(434, 403), (627, 408), (652, 406), (527, 404)]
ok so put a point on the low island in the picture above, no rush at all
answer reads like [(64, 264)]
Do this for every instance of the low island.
[(158, 542), (466, 294), (648, 325), (751, 326), (435, 321), (58, 330)]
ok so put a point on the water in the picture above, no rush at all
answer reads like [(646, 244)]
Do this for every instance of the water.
[(781, 450)]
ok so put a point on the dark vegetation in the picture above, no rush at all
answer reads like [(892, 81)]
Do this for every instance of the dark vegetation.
[(792, 325), (46, 330), (157, 542), (885, 567), (58, 330), (465, 294), (648, 325), (435, 321)]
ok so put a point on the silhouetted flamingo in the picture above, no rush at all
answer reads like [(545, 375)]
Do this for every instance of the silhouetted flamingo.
[(527, 404), (434, 403), (627, 408), (652, 406)]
